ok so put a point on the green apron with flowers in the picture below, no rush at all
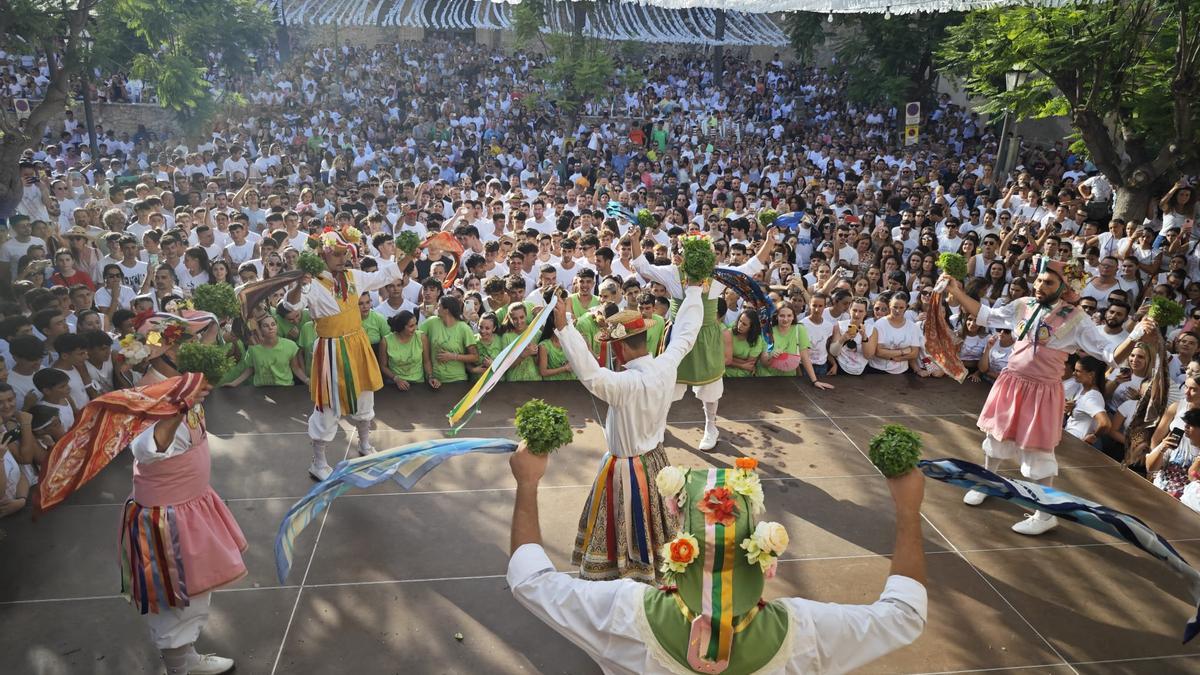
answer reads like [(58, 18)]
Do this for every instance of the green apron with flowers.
[(706, 362)]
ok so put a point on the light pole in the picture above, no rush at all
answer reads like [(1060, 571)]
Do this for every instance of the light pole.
[(1013, 79), (88, 117)]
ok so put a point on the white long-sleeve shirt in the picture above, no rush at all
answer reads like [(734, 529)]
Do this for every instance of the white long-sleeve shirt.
[(607, 620), (145, 449), (321, 302), (638, 397), (668, 275), (1085, 335)]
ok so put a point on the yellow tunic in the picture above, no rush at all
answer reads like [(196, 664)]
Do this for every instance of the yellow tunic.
[(343, 363)]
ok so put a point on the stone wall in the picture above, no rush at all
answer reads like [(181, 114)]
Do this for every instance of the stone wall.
[(120, 117)]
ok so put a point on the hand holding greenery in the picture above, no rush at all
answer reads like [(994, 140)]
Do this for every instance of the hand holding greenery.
[(767, 216), (1166, 313), (220, 299), (895, 450), (645, 219), (953, 264), (699, 258), (310, 263), (543, 427), (213, 361), (408, 242)]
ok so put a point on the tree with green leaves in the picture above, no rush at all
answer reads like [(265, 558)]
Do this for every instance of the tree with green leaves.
[(1124, 71), (887, 59), (576, 68), (164, 42)]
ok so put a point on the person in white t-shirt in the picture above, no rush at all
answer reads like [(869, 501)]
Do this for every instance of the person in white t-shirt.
[(895, 340), (1086, 417), (849, 344), (821, 331), (240, 249)]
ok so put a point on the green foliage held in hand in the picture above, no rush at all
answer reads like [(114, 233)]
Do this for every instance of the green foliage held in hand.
[(646, 220), (408, 241), (310, 263), (953, 264), (895, 450), (699, 258), (1165, 312), (211, 360), (544, 427), (767, 216), (220, 299)]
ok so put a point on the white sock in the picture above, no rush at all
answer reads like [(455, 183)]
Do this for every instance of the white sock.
[(364, 432), (710, 416), (1048, 482), (176, 659), (319, 453)]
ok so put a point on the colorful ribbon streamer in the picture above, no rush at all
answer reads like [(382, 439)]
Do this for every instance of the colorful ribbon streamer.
[(1069, 507), (465, 409), (750, 292), (405, 465)]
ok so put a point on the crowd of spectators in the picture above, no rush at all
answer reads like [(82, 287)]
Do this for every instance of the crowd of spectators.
[(436, 137)]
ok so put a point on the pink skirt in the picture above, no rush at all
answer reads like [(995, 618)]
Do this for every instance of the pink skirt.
[(1025, 412), (171, 553)]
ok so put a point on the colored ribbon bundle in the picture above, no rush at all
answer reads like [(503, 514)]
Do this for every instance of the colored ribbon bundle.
[(1069, 507), (405, 465)]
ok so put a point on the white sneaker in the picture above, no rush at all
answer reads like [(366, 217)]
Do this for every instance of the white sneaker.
[(710, 439), (319, 472), (1034, 525), (209, 664), (974, 498)]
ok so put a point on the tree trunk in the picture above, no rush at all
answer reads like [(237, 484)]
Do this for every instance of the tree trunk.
[(1131, 204), (11, 190)]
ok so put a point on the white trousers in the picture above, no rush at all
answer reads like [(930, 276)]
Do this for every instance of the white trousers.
[(1036, 466), (179, 627), (708, 393), (323, 424)]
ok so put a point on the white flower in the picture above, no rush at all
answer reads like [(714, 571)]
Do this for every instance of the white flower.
[(670, 481), (770, 536), (618, 332), (746, 483)]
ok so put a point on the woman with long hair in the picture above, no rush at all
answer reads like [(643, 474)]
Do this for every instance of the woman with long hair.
[(747, 345), (525, 369), (401, 351), (1087, 419), (895, 341), (449, 344), (198, 269)]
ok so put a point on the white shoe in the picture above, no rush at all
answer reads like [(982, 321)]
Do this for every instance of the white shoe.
[(209, 664), (368, 449), (319, 472), (1034, 525), (710, 438), (974, 498)]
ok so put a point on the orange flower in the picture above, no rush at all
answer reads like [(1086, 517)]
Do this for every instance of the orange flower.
[(746, 463), (718, 506), (683, 551)]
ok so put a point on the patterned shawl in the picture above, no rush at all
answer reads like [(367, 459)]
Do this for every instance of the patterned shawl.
[(447, 242), (753, 295), (939, 340), (105, 427)]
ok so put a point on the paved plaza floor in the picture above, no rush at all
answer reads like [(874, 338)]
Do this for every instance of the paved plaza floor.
[(386, 579)]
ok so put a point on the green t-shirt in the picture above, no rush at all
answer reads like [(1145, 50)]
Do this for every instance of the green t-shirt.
[(654, 333), (744, 350), (489, 350), (555, 358), (589, 329), (526, 370), (272, 365), (405, 358), (792, 342), (308, 342), (577, 307), (375, 326), (454, 339)]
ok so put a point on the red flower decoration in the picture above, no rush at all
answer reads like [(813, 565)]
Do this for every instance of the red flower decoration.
[(328, 228), (718, 506), (172, 333)]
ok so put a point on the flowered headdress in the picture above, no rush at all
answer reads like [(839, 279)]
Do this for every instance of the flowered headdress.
[(623, 324), (348, 238), (721, 555)]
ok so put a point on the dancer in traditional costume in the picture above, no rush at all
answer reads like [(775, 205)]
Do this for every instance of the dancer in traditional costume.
[(345, 374), (713, 618), (179, 541), (624, 521), (1023, 414), (704, 366)]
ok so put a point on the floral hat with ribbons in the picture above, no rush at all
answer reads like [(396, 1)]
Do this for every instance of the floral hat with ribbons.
[(348, 238), (721, 556), (623, 324)]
